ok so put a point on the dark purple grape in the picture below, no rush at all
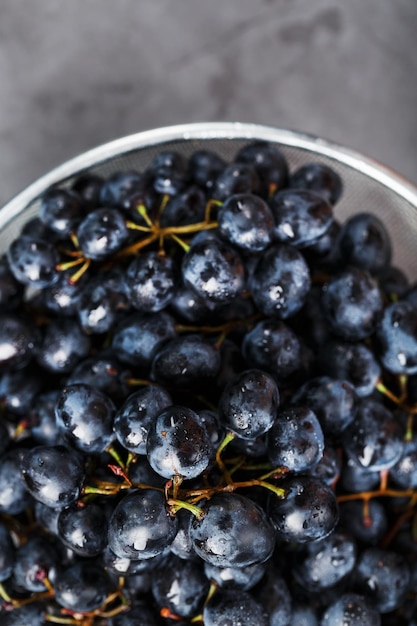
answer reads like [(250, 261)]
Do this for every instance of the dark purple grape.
[(140, 409), (184, 360), (236, 178), (229, 607), (246, 221), (18, 341), (64, 296), (102, 233), (36, 560), (214, 270), (83, 530), (188, 306), (33, 261), (14, 497), (269, 163), (301, 217), (88, 188), (151, 281), (332, 400), (273, 346), (117, 186), (102, 300), (365, 242), (234, 532), (353, 362), (281, 281), (296, 439), (61, 210), (63, 345), (140, 527), (352, 302), (84, 414), (53, 475), (320, 179), (103, 371), (168, 172), (82, 587), (18, 390), (178, 443), (308, 512), (181, 586), (323, 564), (185, 208), (374, 439), (204, 166), (397, 338), (384, 577), (351, 609), (248, 405)]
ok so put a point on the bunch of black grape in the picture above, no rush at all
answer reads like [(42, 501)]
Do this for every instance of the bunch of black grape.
[(208, 389)]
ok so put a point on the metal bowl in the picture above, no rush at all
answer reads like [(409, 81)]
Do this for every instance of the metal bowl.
[(368, 185)]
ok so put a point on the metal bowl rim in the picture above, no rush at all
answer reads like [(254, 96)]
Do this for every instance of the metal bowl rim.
[(210, 130)]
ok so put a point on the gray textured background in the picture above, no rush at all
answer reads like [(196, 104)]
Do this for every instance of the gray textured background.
[(78, 73)]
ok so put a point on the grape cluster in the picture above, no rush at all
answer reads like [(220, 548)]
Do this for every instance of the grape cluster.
[(208, 387)]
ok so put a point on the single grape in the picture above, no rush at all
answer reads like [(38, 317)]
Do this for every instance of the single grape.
[(54, 475), (296, 440), (319, 178), (61, 210), (234, 532), (365, 242), (248, 405), (374, 439), (151, 281), (246, 221), (140, 526), (308, 512), (351, 609), (301, 217), (84, 415), (140, 409), (138, 337), (178, 443), (384, 577), (83, 530), (181, 586), (323, 564), (281, 281), (214, 270), (82, 587)]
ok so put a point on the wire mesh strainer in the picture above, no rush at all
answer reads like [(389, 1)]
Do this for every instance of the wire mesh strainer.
[(368, 186)]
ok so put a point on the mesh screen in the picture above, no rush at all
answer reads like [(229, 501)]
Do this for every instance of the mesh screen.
[(361, 192)]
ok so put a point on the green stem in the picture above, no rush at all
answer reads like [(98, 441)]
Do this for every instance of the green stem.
[(176, 505)]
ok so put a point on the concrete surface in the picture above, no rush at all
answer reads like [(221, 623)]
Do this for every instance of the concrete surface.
[(78, 73)]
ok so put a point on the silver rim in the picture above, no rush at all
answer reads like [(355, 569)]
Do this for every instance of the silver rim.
[(211, 130)]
